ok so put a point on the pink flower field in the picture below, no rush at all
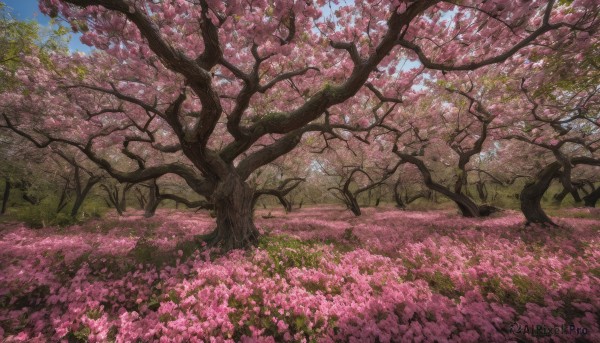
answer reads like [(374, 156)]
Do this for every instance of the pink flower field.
[(318, 275)]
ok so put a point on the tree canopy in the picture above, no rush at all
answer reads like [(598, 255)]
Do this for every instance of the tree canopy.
[(210, 92)]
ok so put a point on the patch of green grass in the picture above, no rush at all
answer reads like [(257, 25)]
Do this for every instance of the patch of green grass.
[(42, 215), (80, 335), (101, 226), (297, 323), (528, 290), (94, 313), (524, 290), (411, 266), (442, 284), (567, 311), (287, 252)]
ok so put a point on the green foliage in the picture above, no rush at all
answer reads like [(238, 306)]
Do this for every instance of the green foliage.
[(350, 236), (297, 323), (43, 215), (188, 247), (94, 313), (174, 297), (80, 335), (144, 251), (165, 318), (442, 284), (493, 286), (287, 252), (92, 208), (523, 290), (154, 303), (528, 290), (21, 38), (567, 311)]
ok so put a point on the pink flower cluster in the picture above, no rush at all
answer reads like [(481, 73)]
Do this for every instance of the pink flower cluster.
[(320, 275)]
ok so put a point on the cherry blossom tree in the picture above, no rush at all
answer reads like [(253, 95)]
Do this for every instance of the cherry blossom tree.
[(554, 108), (211, 91), (452, 129)]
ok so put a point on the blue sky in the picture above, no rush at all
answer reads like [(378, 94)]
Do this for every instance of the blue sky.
[(29, 10)]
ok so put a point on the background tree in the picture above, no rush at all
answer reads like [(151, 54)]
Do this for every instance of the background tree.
[(559, 115), (117, 194)]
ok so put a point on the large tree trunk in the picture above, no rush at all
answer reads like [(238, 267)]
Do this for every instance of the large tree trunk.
[(467, 207), (7, 187), (532, 193), (591, 199), (233, 200)]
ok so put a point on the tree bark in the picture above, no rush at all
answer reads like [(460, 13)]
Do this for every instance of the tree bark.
[(591, 199), (424, 194), (280, 193), (532, 193), (64, 194), (353, 205), (153, 200), (123, 204), (349, 197), (482, 190), (397, 195), (113, 197), (467, 207), (141, 198), (233, 200), (560, 196), (287, 205), (119, 204), (7, 187), (82, 195), (117, 198), (150, 209)]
